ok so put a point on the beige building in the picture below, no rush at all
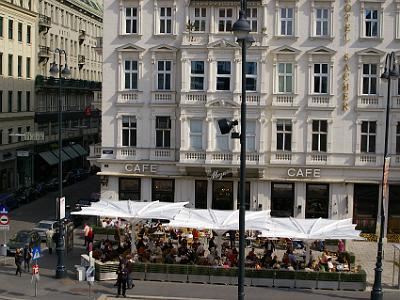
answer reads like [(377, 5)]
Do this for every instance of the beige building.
[(18, 23)]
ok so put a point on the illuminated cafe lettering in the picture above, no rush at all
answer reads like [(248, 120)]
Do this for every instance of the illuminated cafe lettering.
[(141, 168), (299, 172)]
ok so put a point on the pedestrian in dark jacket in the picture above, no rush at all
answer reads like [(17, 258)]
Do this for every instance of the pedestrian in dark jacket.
[(122, 280), (27, 256), (18, 262)]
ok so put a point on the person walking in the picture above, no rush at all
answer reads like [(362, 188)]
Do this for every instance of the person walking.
[(18, 262), (122, 280), (86, 229), (27, 256), (49, 240)]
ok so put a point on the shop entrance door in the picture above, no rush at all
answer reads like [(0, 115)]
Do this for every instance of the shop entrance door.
[(282, 199), (222, 195), (394, 209), (366, 197), (317, 201)]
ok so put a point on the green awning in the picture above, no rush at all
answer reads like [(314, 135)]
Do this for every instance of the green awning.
[(64, 156), (49, 157), (79, 149), (71, 153)]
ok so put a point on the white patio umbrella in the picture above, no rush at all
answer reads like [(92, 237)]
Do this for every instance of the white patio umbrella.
[(133, 211), (312, 229), (219, 220)]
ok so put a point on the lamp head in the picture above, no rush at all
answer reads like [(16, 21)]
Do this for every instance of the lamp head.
[(241, 27), (66, 72), (225, 125), (394, 72), (54, 69)]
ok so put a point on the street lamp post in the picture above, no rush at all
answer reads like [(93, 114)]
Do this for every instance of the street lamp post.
[(389, 73), (241, 29), (61, 72)]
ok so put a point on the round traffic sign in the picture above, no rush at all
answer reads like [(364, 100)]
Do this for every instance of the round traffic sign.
[(4, 220)]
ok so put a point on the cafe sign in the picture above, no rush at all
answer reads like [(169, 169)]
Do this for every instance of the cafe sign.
[(141, 168), (304, 172)]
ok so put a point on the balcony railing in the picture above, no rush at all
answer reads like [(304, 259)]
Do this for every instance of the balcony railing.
[(82, 36), (395, 102), (44, 23), (286, 100), (81, 59), (44, 53), (370, 102), (194, 98), (164, 97), (251, 98), (317, 159), (130, 153), (129, 97), (369, 159), (321, 101), (192, 156), (99, 45)]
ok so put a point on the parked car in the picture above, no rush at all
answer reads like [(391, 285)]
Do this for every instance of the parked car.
[(51, 185), (43, 226), (9, 201), (22, 238)]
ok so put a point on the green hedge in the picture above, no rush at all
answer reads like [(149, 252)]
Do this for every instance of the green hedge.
[(232, 272), (177, 269), (265, 273), (354, 277), (283, 274), (198, 270), (304, 275), (328, 276), (156, 268), (139, 267)]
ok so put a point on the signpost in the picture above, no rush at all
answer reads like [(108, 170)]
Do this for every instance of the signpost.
[(35, 267), (90, 277), (5, 226)]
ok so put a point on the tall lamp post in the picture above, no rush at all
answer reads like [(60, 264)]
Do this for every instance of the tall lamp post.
[(390, 72), (60, 71), (241, 29)]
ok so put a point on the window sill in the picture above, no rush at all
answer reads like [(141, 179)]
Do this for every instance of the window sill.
[(139, 35), (288, 37), (327, 38), (380, 39), (166, 35)]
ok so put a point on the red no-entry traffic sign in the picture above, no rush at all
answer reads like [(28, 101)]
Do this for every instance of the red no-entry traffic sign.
[(4, 220)]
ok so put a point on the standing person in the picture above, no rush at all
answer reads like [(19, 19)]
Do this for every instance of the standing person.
[(86, 229), (49, 240), (90, 235), (122, 280), (18, 262), (341, 247), (27, 256)]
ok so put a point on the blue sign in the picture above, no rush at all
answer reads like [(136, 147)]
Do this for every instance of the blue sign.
[(3, 209), (36, 253)]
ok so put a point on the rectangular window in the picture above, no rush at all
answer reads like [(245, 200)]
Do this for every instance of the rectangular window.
[(1, 101), (200, 19), (1, 136), (223, 75), (287, 22), (19, 101), (28, 67), (131, 20), (196, 134), (284, 135), (166, 20), (317, 201), (371, 23), (19, 32), (365, 206), (282, 199), (10, 65), (368, 136), (129, 189), (28, 34), (251, 76), (163, 190), (1, 26), (222, 140), (369, 79), (200, 194), (28, 128), (19, 67), (163, 132), (252, 17), (19, 131), (322, 22), (10, 137), (1, 64), (28, 101), (285, 78), (131, 74), (225, 19), (10, 101), (397, 137), (222, 195), (10, 29), (197, 75), (321, 78), (129, 131), (250, 135), (164, 75), (319, 135)]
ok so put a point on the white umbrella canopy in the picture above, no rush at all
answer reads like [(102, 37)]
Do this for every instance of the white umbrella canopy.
[(312, 229), (219, 220)]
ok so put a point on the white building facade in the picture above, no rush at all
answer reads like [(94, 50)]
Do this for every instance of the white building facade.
[(315, 117)]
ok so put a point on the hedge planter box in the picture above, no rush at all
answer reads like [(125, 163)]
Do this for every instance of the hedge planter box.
[(306, 280), (284, 279), (353, 281), (262, 277), (198, 274), (156, 272), (177, 273), (138, 271), (328, 280), (223, 276), (106, 271)]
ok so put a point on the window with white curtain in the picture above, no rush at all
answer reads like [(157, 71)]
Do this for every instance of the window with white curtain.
[(319, 135), (285, 78), (321, 78), (197, 75), (196, 134), (371, 22), (250, 135), (251, 76), (322, 22), (222, 140), (129, 131)]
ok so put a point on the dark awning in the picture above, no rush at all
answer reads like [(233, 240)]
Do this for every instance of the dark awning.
[(71, 153), (79, 149), (64, 156), (49, 157)]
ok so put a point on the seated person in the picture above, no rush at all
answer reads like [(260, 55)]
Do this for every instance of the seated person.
[(286, 260), (252, 255), (170, 256), (323, 261), (330, 265)]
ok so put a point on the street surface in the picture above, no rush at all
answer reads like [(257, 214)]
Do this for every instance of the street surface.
[(16, 288)]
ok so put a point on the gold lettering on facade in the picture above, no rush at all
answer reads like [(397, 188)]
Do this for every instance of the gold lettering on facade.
[(346, 85), (347, 9)]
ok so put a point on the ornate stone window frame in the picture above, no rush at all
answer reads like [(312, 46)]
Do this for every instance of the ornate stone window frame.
[(274, 140), (379, 132), (329, 138), (156, 17), (286, 4), (163, 52), (133, 52), (314, 5), (123, 4), (371, 4), (284, 54), (369, 56)]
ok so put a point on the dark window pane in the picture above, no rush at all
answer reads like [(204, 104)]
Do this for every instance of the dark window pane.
[(324, 126), (323, 143), (282, 199), (201, 194), (288, 142), (371, 148), (317, 201), (372, 127), (167, 139), (133, 138), (159, 139), (315, 125), (364, 143), (315, 142), (365, 207), (279, 142), (125, 137)]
